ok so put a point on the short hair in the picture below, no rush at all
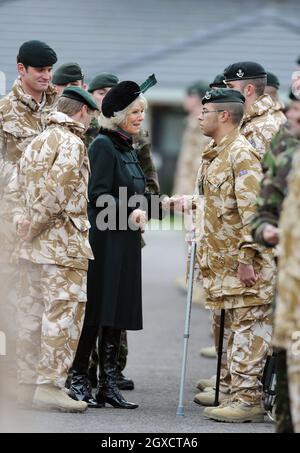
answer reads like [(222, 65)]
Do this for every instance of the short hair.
[(119, 118), (236, 110), (69, 106), (19, 61), (259, 84)]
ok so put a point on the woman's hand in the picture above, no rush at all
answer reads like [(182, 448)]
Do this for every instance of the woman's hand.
[(138, 218)]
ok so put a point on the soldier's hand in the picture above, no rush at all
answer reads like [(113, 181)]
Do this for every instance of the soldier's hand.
[(271, 235), (247, 275)]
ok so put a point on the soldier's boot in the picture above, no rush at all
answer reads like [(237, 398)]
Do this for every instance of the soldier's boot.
[(208, 410), (49, 397), (80, 387), (208, 398), (237, 412), (209, 352), (123, 382), (108, 391), (204, 383), (25, 395)]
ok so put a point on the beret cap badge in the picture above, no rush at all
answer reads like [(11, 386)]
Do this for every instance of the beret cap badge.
[(207, 95), (240, 73)]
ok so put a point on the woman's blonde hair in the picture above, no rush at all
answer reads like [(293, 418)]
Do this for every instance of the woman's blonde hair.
[(119, 118)]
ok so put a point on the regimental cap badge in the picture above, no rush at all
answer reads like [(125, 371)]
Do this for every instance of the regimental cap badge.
[(240, 73), (207, 95)]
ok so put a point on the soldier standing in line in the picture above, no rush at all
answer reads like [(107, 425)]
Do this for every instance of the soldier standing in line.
[(68, 74), (278, 164), (218, 82), (259, 125), (51, 220), (22, 117), (271, 89), (238, 274)]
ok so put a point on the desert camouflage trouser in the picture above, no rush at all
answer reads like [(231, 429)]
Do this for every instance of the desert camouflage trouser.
[(293, 371), (50, 317), (248, 331)]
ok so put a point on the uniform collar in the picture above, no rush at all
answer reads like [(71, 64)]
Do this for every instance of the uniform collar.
[(262, 105), (49, 96), (61, 119), (212, 150)]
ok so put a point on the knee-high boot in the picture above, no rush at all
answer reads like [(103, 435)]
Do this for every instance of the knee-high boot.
[(108, 391), (80, 388)]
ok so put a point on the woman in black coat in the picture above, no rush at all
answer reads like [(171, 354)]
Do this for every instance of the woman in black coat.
[(114, 277)]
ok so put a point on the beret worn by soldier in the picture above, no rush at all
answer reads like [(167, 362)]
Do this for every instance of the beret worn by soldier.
[(244, 70), (79, 94), (198, 88), (103, 80), (66, 73), (272, 80), (223, 95), (36, 54), (218, 82)]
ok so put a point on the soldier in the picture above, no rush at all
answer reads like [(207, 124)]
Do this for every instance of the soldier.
[(237, 274), (218, 82), (271, 89), (52, 223), (259, 124), (278, 163), (68, 74), (287, 319), (22, 118)]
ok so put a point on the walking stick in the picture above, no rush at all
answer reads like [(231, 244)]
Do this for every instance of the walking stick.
[(180, 408), (220, 352)]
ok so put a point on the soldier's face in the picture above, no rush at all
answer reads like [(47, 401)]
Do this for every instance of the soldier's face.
[(99, 95), (293, 116), (235, 85), (208, 119), (134, 119), (35, 79)]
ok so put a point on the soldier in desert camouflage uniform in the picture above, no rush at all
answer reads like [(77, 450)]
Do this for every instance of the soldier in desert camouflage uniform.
[(258, 125), (237, 273), (51, 220), (22, 117), (271, 89)]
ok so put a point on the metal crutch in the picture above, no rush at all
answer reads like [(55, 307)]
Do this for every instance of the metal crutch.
[(180, 408), (220, 352)]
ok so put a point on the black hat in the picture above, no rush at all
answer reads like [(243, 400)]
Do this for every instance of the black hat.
[(103, 80), (218, 82), (36, 54), (298, 60), (79, 94), (119, 97), (223, 95), (200, 88), (244, 70), (66, 73), (272, 80)]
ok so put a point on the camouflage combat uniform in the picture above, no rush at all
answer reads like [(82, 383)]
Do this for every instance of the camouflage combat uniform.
[(277, 163), (193, 143), (229, 180), (53, 176), (287, 313), (278, 115), (259, 125)]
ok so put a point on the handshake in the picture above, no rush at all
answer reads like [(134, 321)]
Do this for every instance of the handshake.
[(179, 203)]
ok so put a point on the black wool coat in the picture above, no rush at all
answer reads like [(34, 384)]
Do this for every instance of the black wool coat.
[(114, 289)]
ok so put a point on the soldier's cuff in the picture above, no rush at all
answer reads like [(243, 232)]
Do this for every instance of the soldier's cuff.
[(246, 255)]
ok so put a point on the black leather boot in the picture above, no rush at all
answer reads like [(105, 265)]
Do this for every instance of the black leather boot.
[(123, 382), (108, 391), (80, 387)]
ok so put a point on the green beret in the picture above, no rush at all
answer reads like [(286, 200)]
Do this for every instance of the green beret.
[(79, 94), (36, 54), (119, 97), (66, 73), (200, 87), (272, 80), (104, 80), (244, 70), (218, 82), (223, 95)]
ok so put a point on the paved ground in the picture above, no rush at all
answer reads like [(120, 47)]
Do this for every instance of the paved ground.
[(154, 362)]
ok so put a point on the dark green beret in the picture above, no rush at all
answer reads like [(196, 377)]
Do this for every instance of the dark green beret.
[(200, 87), (223, 95), (81, 95), (119, 97), (66, 73), (272, 80), (244, 70), (218, 82), (104, 80), (36, 54)]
